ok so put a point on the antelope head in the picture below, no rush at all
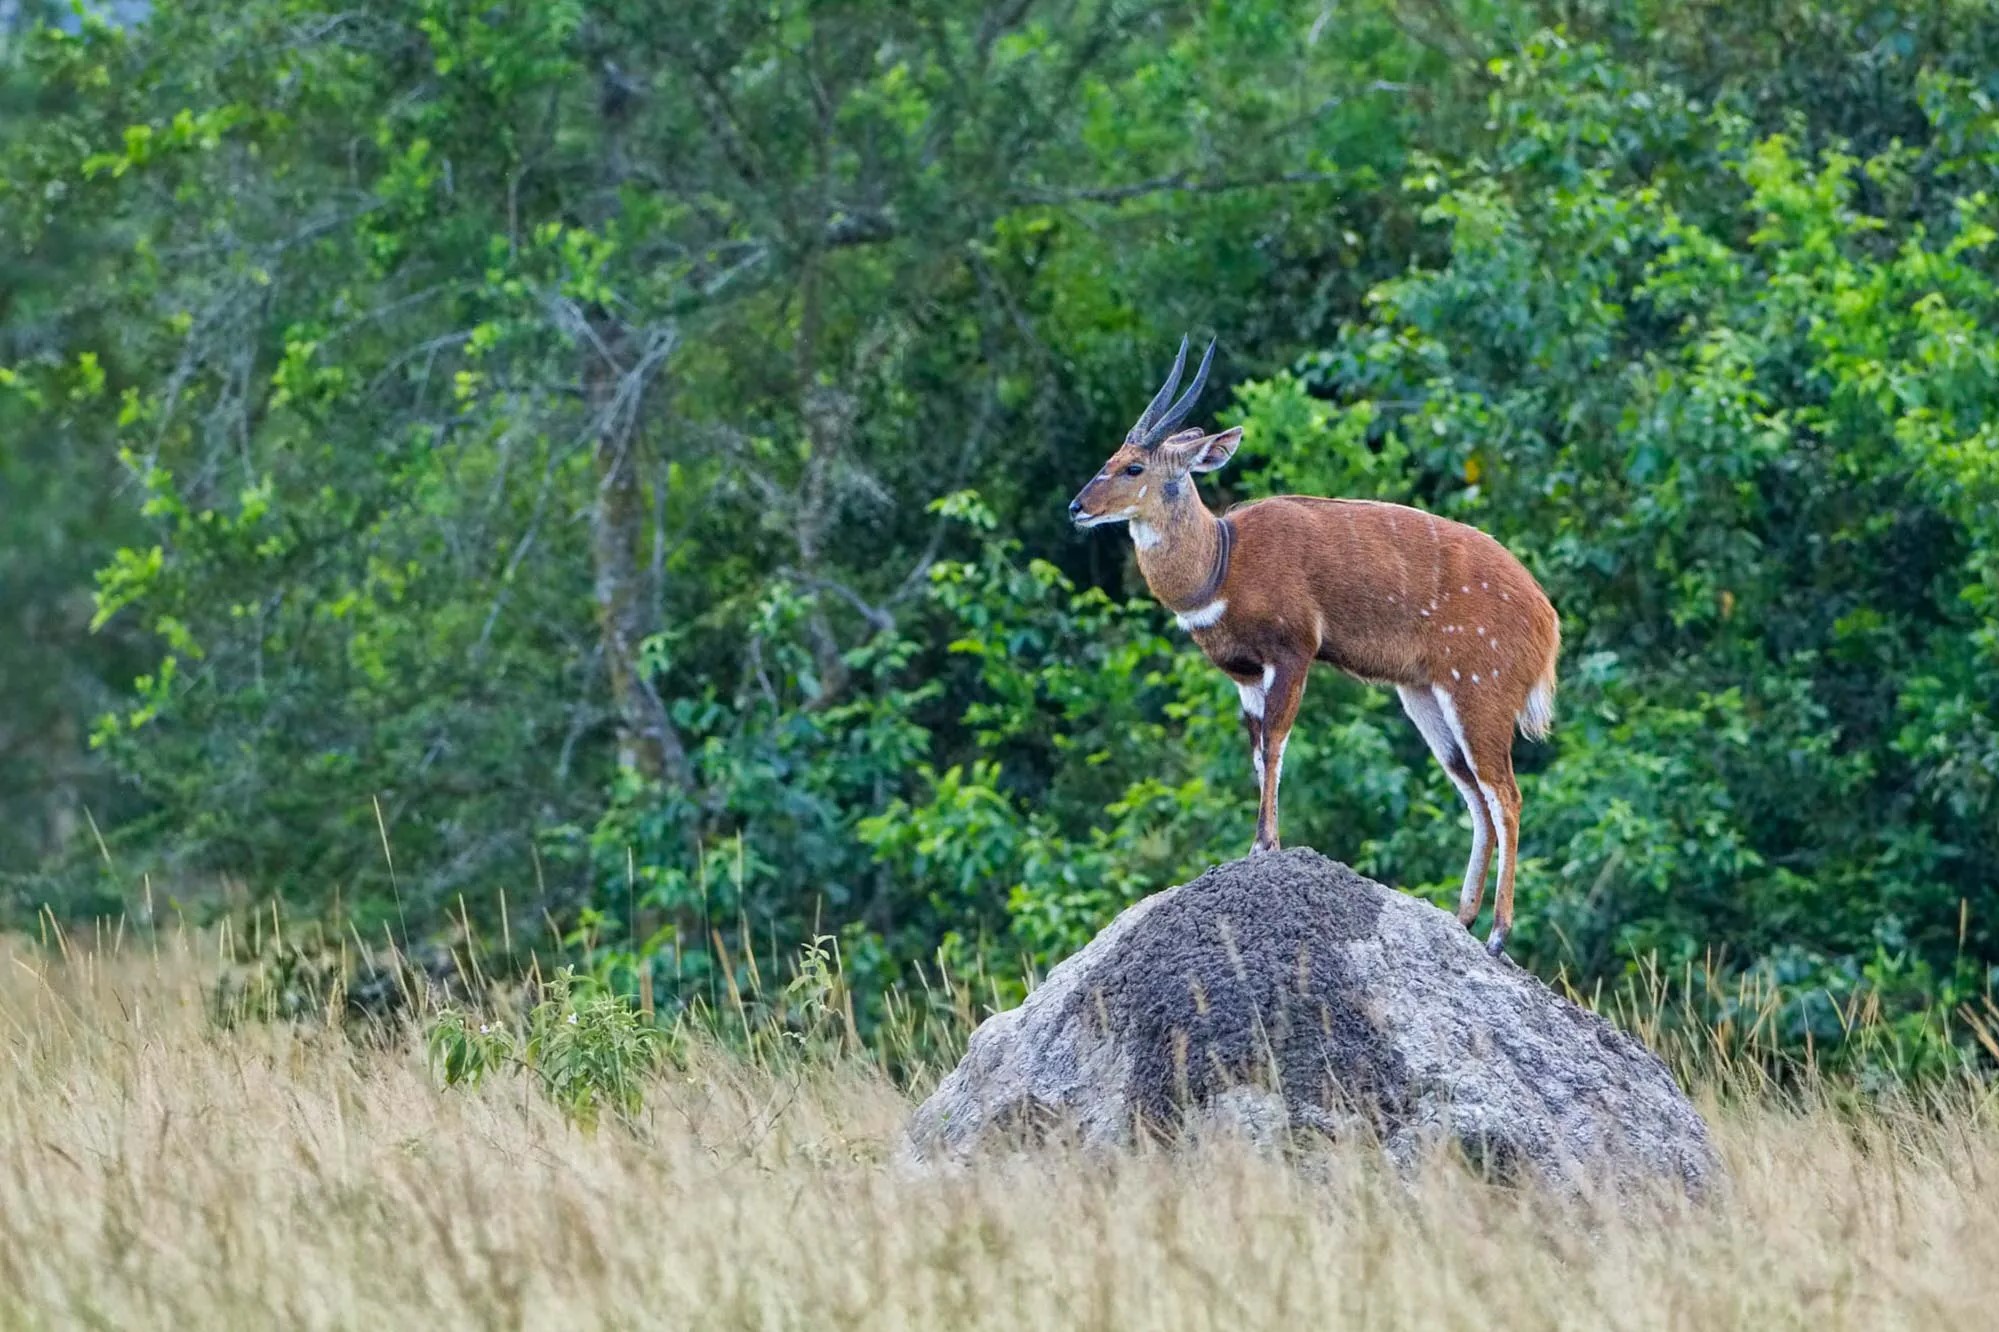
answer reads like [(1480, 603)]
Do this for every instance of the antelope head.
[(1147, 476)]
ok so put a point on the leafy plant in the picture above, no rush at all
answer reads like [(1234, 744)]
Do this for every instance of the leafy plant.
[(590, 1055)]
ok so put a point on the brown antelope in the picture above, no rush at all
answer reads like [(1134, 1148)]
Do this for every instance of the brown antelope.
[(1387, 594)]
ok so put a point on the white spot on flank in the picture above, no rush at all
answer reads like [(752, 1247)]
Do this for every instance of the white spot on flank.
[(1465, 588), (1425, 614), (1203, 616), (1504, 596), (1474, 677), (1454, 673), (1433, 603), (1481, 631), (1145, 536), (1482, 582)]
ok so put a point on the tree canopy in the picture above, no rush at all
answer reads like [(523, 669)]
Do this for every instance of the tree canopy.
[(611, 457)]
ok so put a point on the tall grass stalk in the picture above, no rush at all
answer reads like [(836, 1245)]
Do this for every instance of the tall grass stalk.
[(159, 1168)]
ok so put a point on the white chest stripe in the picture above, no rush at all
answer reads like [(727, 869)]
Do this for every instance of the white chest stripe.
[(1203, 616)]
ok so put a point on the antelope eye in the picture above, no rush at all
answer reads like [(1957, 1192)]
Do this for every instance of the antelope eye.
[(1134, 469)]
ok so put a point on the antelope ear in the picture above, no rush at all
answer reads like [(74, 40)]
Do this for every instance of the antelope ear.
[(1205, 455)]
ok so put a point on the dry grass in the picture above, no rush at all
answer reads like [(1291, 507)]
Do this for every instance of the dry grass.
[(157, 1172)]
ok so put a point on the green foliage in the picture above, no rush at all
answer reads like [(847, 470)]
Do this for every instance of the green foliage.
[(589, 1055), (1750, 431), (609, 460)]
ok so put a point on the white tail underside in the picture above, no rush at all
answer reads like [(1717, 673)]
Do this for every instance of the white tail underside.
[(1537, 717)]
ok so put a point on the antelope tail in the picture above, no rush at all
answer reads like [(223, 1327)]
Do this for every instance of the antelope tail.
[(1537, 715)]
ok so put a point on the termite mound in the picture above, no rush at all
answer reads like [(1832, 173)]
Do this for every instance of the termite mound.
[(1287, 998)]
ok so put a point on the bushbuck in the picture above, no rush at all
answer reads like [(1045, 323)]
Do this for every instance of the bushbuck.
[(1388, 594)]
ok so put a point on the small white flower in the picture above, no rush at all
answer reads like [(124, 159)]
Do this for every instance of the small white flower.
[(485, 1028), (572, 1019)]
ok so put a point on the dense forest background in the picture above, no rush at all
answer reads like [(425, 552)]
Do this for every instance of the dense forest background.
[(611, 457)]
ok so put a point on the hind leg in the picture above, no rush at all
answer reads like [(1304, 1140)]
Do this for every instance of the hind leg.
[(1423, 709), (1485, 732), (1504, 794), (1482, 726)]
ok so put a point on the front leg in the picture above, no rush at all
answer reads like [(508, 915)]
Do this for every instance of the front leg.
[(1252, 725), (1276, 705)]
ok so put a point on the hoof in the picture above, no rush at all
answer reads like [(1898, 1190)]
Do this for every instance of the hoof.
[(1495, 943), (1467, 918), (1262, 848)]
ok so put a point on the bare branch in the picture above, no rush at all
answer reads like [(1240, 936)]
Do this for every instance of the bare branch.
[(878, 617)]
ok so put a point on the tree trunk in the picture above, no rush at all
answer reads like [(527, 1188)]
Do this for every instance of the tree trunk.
[(627, 603), (616, 373)]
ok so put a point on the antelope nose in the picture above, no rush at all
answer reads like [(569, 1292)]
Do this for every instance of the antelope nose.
[(1075, 508)]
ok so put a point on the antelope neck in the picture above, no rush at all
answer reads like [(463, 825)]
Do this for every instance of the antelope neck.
[(1188, 566)]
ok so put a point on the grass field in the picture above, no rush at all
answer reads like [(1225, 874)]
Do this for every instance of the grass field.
[(159, 1171)]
